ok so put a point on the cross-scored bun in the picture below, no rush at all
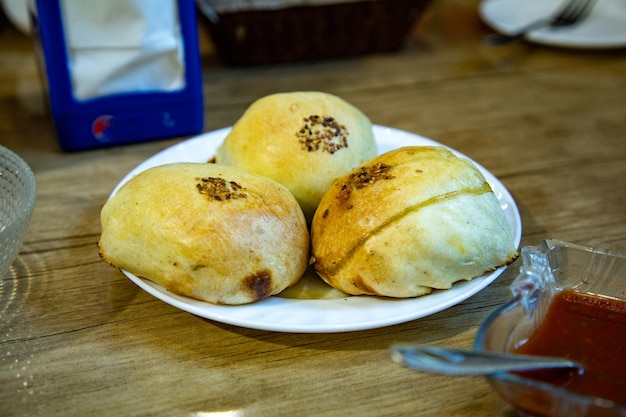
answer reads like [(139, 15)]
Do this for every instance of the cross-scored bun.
[(210, 232), (407, 222), (303, 140)]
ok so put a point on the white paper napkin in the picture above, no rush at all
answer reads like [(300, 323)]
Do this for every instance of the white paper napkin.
[(122, 46)]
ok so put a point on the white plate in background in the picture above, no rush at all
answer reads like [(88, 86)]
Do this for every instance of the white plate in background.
[(604, 28)]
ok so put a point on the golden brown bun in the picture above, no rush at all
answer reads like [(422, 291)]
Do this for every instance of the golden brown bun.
[(210, 232), (409, 221), (303, 140)]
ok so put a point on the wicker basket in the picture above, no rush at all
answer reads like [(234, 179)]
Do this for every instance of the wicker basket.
[(310, 32)]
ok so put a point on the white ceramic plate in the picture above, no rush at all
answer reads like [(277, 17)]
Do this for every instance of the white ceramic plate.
[(322, 315), (604, 28)]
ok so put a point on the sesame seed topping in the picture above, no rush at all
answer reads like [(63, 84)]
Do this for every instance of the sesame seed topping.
[(219, 189), (322, 133), (365, 176)]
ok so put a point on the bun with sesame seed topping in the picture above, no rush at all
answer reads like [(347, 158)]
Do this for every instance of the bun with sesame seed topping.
[(210, 232), (303, 140), (407, 222)]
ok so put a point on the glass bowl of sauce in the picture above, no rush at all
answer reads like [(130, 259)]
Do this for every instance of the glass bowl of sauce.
[(569, 301)]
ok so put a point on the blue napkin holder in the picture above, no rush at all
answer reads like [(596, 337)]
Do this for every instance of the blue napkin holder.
[(124, 117)]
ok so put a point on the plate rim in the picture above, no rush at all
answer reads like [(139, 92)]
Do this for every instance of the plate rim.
[(223, 314)]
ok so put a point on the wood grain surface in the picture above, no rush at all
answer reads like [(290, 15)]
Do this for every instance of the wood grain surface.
[(78, 338)]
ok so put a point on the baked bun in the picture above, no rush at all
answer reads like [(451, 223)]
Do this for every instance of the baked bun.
[(209, 232), (407, 222), (303, 140)]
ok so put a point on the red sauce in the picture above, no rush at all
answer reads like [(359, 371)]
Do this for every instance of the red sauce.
[(589, 329)]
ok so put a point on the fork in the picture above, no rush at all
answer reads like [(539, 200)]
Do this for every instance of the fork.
[(572, 12)]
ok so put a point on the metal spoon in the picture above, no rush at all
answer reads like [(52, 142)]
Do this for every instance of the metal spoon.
[(469, 362)]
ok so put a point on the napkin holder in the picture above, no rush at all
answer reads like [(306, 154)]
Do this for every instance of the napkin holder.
[(155, 93)]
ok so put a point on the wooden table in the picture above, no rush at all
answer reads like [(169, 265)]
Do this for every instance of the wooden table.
[(78, 338)]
